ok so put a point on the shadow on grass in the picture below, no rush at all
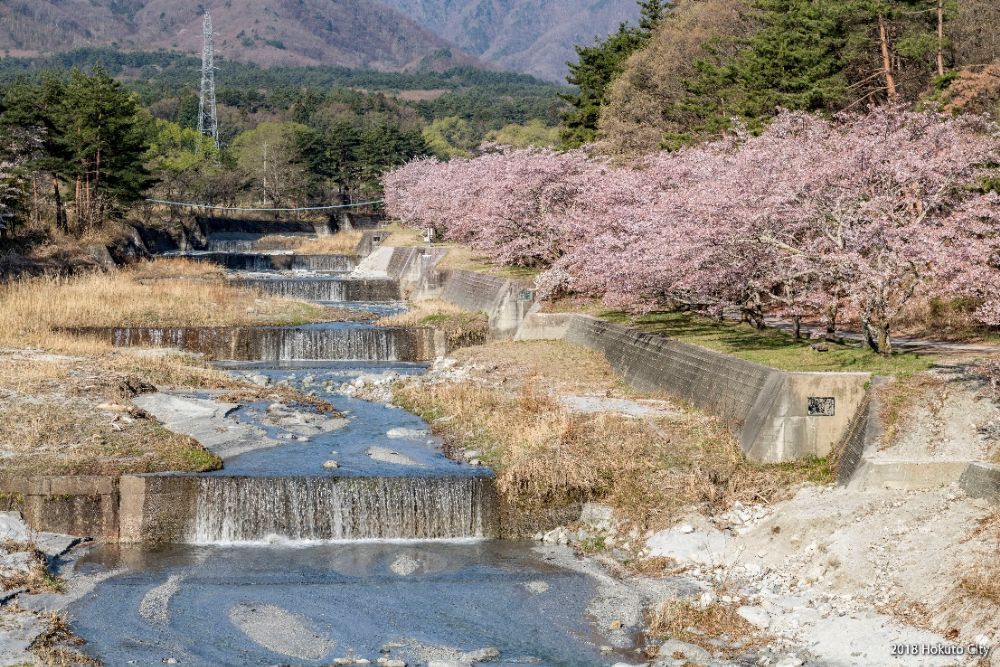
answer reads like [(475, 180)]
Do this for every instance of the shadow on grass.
[(770, 347)]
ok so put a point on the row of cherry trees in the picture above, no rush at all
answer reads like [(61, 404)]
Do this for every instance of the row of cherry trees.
[(813, 218)]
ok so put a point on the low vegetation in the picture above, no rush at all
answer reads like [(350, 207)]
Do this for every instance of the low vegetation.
[(715, 627), (547, 455), (37, 578), (771, 347), (33, 311), (982, 582), (341, 243), (72, 415), (460, 327)]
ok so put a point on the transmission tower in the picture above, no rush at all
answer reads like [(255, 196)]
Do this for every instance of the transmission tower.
[(208, 120)]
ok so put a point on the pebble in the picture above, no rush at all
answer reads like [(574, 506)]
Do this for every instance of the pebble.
[(331, 465)]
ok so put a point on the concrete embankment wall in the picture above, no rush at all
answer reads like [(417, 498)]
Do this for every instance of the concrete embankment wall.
[(776, 415), (505, 302)]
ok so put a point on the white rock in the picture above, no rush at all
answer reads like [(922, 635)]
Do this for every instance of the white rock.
[(755, 616), (685, 528), (13, 528), (481, 655), (331, 465), (597, 516)]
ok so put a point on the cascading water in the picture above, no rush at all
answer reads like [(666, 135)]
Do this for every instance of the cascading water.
[(327, 289), (248, 261), (358, 342), (254, 509)]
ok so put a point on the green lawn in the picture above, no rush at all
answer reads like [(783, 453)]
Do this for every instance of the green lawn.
[(770, 347)]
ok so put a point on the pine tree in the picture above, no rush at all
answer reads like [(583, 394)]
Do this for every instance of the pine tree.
[(596, 68), (793, 61)]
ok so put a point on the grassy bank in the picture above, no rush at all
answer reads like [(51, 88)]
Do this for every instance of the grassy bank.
[(166, 292), (770, 347), (460, 327), (65, 400), (546, 454)]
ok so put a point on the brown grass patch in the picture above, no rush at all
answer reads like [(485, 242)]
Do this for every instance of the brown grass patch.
[(899, 398), (462, 328), (717, 627), (983, 580), (559, 366), (37, 579), (31, 309), (58, 645), (287, 395), (71, 437), (72, 415), (548, 456), (341, 243), (655, 566)]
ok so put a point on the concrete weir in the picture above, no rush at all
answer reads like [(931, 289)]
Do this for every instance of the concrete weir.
[(327, 289), (248, 261), (224, 510), (358, 342)]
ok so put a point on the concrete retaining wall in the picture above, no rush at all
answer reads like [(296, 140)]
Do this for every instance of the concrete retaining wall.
[(505, 302), (981, 480), (85, 505), (767, 409)]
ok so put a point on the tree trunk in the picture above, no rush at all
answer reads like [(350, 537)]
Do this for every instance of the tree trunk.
[(797, 321), (878, 338), (890, 81), (940, 37), (62, 222), (831, 321)]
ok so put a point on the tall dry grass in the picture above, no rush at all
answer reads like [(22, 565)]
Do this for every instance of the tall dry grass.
[(548, 456), (341, 243), (461, 327), (32, 310)]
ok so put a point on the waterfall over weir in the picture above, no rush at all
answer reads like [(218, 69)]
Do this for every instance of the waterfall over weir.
[(327, 289), (254, 509), (351, 342), (243, 261)]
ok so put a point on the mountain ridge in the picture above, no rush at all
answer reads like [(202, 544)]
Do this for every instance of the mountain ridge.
[(531, 36)]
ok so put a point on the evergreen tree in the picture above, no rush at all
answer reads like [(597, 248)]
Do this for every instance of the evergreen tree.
[(596, 68), (794, 61)]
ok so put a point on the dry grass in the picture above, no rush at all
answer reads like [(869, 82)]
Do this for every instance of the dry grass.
[(58, 645), (898, 398), (341, 243), (32, 309), (562, 367), (458, 257), (72, 415), (717, 627), (983, 580), (461, 327), (548, 456), (71, 437), (37, 579)]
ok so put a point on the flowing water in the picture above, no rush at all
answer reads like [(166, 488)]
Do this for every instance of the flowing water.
[(289, 562)]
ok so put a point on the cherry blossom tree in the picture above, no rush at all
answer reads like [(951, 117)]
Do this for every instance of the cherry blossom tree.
[(813, 218)]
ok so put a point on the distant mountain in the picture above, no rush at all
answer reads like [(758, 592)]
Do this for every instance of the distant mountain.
[(532, 36), (351, 33)]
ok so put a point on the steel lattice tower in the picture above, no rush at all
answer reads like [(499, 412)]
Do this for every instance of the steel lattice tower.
[(208, 120)]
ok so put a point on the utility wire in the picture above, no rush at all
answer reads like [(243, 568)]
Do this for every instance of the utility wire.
[(262, 210)]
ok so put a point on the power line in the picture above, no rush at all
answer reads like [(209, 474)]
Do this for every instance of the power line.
[(209, 207)]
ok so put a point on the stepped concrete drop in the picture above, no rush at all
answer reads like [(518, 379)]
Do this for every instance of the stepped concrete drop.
[(225, 510), (246, 261), (343, 342), (253, 509), (327, 289)]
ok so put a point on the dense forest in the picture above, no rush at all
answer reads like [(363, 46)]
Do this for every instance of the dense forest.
[(706, 67), (91, 132)]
